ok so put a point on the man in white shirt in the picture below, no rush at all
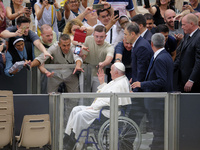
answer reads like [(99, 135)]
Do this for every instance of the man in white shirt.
[(104, 16), (82, 117)]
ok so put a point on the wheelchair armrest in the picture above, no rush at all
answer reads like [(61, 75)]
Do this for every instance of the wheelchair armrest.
[(108, 108), (105, 107)]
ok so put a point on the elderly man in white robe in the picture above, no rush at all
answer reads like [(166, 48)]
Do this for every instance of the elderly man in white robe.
[(82, 117)]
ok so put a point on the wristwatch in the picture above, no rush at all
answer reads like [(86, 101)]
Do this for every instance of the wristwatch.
[(118, 59)]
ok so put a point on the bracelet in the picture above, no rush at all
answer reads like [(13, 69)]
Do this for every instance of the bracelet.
[(58, 9)]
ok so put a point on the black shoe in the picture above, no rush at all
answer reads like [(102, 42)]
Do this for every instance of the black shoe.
[(69, 141)]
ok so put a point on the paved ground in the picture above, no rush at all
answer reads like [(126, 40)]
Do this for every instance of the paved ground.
[(146, 141)]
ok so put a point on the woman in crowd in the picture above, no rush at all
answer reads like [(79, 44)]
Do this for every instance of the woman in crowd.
[(159, 9), (47, 14), (121, 24), (2, 17), (74, 24), (193, 6), (16, 10)]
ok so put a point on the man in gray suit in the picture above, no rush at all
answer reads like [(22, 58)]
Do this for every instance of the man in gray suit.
[(62, 53)]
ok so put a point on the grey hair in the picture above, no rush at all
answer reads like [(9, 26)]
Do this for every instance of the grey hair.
[(192, 18), (133, 27), (158, 40)]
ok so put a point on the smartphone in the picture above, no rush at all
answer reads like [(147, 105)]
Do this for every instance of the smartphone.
[(98, 6), (146, 2), (77, 49), (176, 24), (185, 3), (28, 5), (116, 13)]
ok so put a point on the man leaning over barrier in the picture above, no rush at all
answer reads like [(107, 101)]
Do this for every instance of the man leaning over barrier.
[(62, 52)]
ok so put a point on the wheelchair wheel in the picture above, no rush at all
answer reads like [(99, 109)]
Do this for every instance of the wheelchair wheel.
[(129, 136)]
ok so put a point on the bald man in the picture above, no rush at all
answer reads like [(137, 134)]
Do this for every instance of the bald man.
[(169, 16), (48, 38)]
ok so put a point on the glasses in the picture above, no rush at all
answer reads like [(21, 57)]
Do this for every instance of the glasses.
[(73, 2), (93, 11)]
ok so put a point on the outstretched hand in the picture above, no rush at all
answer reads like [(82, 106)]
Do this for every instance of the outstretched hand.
[(101, 75), (77, 68), (47, 54)]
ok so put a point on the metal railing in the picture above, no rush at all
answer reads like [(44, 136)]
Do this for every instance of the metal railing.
[(57, 108)]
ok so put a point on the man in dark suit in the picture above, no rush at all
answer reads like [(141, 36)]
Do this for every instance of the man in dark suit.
[(141, 52), (159, 78), (140, 57), (141, 21), (188, 56)]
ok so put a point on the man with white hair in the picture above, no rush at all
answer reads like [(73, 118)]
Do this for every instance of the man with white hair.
[(188, 56), (82, 117), (159, 78)]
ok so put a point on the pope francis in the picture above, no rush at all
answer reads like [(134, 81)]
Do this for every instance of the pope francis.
[(82, 117)]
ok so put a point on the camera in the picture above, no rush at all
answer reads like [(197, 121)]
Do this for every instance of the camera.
[(51, 2), (77, 49), (4, 47)]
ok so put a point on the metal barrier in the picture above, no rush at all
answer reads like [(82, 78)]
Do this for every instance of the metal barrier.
[(25, 79), (84, 78), (181, 115), (58, 106)]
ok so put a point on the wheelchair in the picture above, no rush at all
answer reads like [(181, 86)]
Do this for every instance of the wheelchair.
[(97, 135)]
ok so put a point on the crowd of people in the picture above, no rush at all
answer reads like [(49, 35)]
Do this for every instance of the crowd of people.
[(157, 51)]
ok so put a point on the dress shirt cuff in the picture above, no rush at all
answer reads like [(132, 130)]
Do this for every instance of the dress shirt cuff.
[(191, 81)]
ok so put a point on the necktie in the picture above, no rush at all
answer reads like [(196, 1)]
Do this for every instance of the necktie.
[(150, 65), (186, 40)]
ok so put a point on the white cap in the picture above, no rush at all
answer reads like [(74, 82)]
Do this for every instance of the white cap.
[(120, 66), (17, 40)]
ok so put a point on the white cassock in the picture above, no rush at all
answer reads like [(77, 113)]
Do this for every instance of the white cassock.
[(82, 117)]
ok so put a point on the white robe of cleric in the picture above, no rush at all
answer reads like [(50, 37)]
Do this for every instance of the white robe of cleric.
[(82, 117)]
